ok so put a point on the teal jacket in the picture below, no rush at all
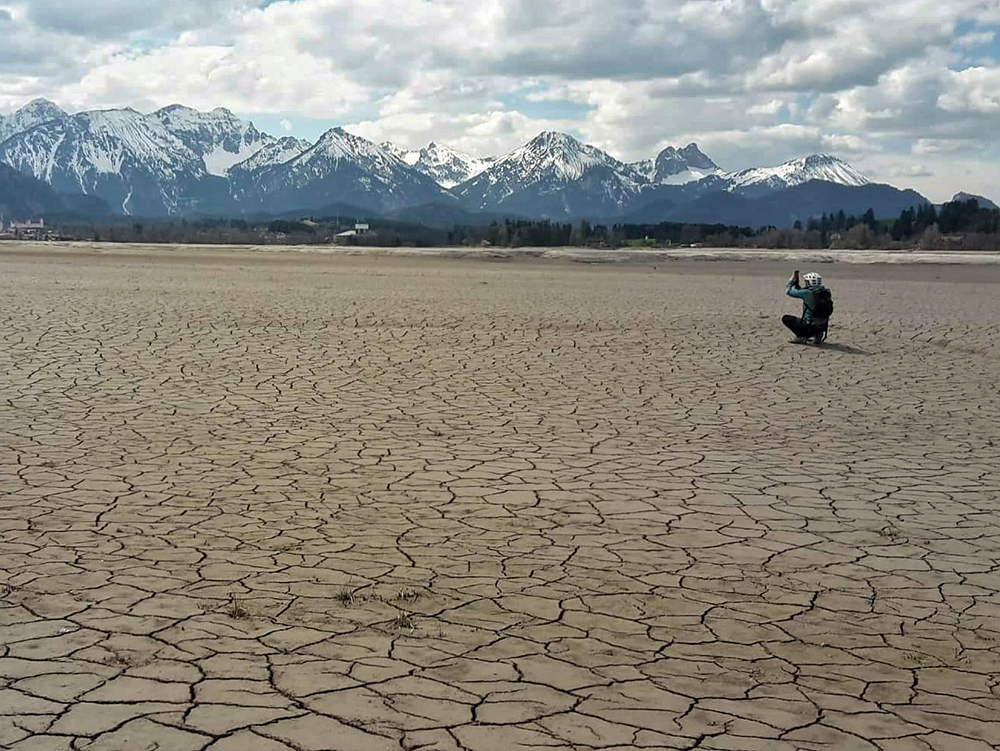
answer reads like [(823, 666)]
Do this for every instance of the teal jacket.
[(806, 295)]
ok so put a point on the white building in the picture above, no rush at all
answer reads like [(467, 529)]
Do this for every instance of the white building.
[(30, 229)]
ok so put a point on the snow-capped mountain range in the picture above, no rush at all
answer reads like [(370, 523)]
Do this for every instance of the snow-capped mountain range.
[(445, 165), (180, 161), (341, 168)]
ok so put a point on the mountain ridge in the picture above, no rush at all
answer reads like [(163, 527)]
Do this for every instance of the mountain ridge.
[(554, 175), (448, 167), (343, 168), (180, 161), (758, 181), (677, 166)]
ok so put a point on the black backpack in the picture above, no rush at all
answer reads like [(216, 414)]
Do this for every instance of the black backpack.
[(822, 307)]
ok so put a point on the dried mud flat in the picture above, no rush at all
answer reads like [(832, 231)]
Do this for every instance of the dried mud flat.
[(362, 502)]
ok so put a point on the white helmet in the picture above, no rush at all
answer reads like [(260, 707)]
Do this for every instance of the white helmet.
[(812, 279)]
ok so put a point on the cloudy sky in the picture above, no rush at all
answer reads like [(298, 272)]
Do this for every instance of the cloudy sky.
[(906, 90)]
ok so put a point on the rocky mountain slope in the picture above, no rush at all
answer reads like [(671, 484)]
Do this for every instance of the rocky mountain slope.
[(553, 175), (34, 113), (131, 161), (341, 168), (23, 196), (677, 166)]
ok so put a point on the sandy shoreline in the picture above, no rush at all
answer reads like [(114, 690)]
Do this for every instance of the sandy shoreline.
[(621, 255), (295, 500)]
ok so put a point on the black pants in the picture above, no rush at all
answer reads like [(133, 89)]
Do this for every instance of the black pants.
[(800, 328)]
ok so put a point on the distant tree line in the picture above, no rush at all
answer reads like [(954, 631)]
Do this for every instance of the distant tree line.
[(250, 231), (544, 233), (958, 225)]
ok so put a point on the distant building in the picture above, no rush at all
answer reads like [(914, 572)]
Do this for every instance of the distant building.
[(347, 237), (30, 229), (30, 224)]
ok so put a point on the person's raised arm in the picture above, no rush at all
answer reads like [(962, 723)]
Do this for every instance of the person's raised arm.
[(792, 287)]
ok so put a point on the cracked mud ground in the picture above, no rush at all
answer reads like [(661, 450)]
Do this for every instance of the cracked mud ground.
[(291, 501)]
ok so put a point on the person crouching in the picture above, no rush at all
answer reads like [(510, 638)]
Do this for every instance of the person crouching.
[(815, 308)]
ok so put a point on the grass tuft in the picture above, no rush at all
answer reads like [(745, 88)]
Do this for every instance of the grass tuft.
[(403, 622), (891, 532), (236, 608), (346, 597)]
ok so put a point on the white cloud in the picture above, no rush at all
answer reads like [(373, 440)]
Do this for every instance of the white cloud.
[(760, 81), (486, 134), (923, 100), (847, 143), (936, 176), (975, 39), (210, 76), (974, 90), (940, 146), (906, 171), (759, 145), (771, 108)]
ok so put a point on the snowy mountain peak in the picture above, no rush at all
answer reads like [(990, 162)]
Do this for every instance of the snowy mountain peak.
[(696, 158), (555, 174), (179, 117), (408, 156), (274, 152), (337, 143), (552, 155), (220, 138), (448, 167), (555, 137), (344, 169), (553, 141), (108, 153), (172, 109), (824, 167), (337, 150), (35, 112), (819, 163), (42, 110), (677, 166)]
